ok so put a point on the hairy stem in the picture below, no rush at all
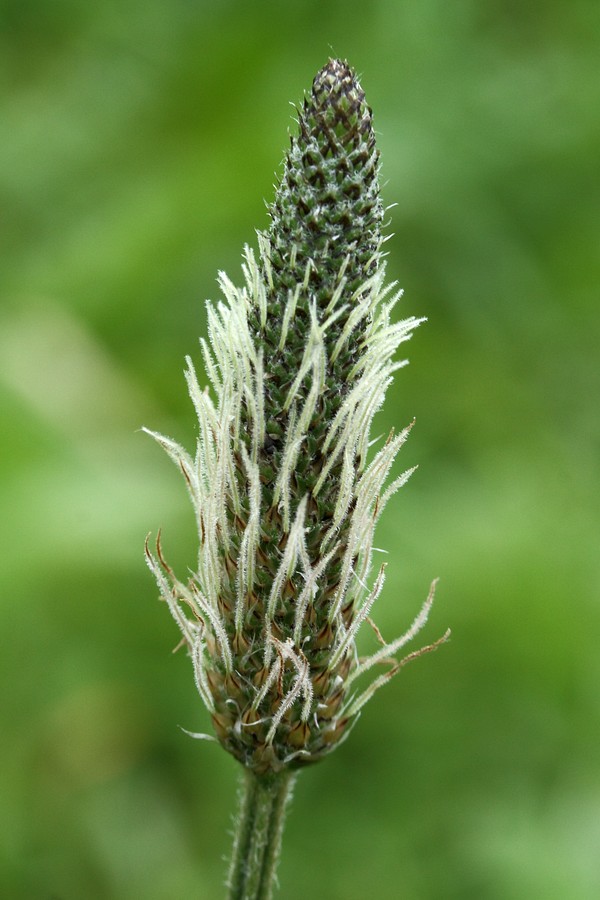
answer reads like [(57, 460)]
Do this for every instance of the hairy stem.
[(257, 837)]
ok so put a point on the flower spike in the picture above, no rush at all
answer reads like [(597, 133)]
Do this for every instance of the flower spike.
[(286, 495)]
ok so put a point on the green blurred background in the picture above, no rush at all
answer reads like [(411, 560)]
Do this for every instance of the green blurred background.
[(138, 142)]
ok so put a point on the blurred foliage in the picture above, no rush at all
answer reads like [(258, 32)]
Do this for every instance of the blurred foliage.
[(139, 140)]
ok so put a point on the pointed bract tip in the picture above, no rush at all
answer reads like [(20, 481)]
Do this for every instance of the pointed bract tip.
[(337, 68), (337, 78)]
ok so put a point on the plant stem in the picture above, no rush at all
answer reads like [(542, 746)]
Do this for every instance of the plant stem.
[(258, 833)]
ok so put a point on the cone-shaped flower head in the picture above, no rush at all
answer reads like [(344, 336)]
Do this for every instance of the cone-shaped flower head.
[(285, 499)]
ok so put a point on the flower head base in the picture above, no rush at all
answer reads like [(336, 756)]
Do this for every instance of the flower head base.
[(286, 502)]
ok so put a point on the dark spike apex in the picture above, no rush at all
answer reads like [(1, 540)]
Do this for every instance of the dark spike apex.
[(339, 105), (327, 204)]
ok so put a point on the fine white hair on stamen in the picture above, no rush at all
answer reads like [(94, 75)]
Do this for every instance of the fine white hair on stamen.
[(272, 677), (360, 617), (169, 596), (250, 540), (312, 575), (200, 672), (388, 650), (217, 626), (356, 704), (301, 685), (288, 315), (293, 551)]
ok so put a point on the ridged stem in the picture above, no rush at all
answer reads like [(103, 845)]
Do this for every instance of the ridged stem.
[(258, 832)]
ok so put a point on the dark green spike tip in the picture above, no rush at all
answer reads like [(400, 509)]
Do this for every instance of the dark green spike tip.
[(327, 207), (337, 108)]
